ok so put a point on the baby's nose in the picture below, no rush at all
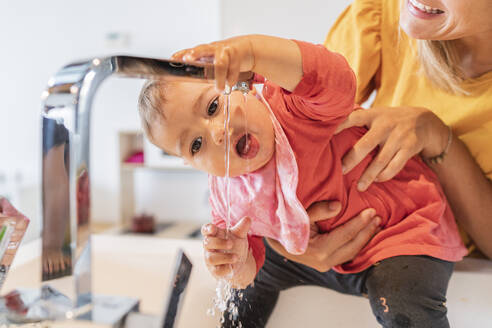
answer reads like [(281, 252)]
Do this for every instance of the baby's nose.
[(219, 134)]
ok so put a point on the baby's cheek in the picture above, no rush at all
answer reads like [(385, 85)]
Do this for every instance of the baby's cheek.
[(215, 165)]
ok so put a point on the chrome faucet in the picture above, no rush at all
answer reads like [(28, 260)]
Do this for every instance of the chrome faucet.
[(66, 115)]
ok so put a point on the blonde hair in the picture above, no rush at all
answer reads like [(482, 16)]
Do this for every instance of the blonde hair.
[(150, 104), (440, 63)]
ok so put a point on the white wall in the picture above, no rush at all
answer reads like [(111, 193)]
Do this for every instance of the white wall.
[(38, 37), (307, 20)]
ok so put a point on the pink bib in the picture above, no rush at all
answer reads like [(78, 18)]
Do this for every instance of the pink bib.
[(267, 196)]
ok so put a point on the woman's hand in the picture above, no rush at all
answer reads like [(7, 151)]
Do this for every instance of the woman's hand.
[(339, 245), (400, 132)]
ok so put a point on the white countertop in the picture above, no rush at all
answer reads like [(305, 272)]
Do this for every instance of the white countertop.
[(141, 267)]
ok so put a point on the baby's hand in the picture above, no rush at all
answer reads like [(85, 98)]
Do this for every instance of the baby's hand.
[(230, 57), (226, 253)]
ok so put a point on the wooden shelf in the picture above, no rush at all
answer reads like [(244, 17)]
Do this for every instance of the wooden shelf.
[(136, 166), (131, 142), (131, 166)]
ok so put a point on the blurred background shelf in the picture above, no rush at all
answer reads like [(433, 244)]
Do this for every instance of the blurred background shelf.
[(139, 160)]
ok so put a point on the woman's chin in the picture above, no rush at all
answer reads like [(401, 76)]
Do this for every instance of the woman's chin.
[(416, 29)]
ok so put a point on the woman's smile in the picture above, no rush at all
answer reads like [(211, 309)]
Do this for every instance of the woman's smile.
[(420, 10)]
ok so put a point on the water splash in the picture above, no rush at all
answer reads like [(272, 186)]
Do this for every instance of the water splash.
[(225, 304)]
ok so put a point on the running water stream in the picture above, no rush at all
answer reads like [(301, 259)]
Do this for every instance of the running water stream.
[(227, 159), (224, 298)]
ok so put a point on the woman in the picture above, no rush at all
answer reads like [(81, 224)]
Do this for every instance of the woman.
[(433, 98), (424, 91)]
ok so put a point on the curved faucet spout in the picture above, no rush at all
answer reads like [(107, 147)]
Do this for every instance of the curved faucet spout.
[(66, 111)]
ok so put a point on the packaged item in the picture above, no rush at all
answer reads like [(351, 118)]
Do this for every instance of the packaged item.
[(13, 226)]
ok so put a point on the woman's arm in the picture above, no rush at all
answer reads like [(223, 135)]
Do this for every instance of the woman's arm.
[(405, 132), (469, 193)]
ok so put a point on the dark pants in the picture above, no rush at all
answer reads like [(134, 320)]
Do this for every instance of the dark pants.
[(404, 291)]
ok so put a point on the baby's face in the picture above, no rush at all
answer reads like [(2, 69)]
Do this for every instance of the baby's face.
[(193, 128)]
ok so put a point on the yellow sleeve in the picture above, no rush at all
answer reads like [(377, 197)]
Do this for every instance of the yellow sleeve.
[(478, 142), (357, 35)]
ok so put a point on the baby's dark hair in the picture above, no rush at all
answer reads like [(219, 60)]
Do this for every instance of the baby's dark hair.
[(150, 102)]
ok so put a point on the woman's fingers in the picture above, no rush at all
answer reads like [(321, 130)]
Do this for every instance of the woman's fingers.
[(348, 231), (338, 246), (395, 166), (384, 156), (398, 148), (402, 132), (360, 117), (348, 251), (323, 210), (329, 242), (362, 148)]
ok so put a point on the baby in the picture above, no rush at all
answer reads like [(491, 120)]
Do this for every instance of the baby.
[(287, 157)]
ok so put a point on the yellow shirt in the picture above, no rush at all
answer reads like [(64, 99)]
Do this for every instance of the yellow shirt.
[(383, 57)]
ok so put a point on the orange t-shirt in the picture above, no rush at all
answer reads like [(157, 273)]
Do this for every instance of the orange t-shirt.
[(416, 218)]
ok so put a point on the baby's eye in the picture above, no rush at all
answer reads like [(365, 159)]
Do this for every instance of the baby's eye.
[(196, 145), (213, 107)]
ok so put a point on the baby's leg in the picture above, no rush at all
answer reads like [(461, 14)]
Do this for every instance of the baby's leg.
[(257, 302), (409, 291)]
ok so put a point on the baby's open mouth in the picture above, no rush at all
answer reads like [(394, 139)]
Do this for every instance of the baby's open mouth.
[(247, 146)]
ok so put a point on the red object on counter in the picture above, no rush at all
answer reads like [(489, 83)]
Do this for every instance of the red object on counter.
[(14, 302), (143, 223)]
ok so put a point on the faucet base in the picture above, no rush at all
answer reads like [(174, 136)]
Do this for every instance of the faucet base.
[(47, 304)]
